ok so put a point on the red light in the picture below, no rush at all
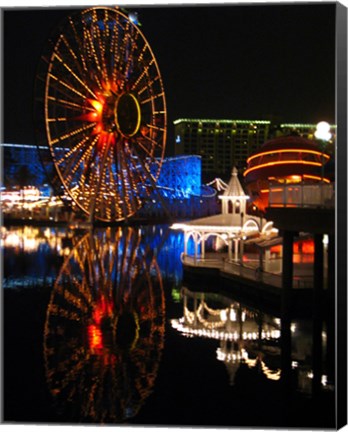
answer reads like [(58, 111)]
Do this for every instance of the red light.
[(95, 338)]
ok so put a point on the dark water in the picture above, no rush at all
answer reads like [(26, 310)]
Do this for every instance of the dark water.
[(98, 328)]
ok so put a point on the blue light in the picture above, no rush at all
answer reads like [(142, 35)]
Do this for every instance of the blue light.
[(180, 176), (133, 17), (178, 139)]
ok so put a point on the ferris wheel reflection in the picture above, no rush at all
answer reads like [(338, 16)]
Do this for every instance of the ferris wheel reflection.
[(104, 330)]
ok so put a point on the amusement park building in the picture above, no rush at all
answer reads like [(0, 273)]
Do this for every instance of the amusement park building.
[(179, 176), (223, 144), (179, 186), (22, 165)]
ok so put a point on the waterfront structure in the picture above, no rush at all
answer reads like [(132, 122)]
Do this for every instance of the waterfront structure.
[(222, 143), (284, 160), (320, 223), (230, 228)]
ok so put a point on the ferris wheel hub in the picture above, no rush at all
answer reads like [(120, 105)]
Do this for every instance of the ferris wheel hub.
[(127, 114)]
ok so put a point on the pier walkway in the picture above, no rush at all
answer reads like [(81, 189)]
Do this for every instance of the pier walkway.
[(271, 275)]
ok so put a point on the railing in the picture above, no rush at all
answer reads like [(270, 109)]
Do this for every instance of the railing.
[(245, 271), (202, 262), (302, 195)]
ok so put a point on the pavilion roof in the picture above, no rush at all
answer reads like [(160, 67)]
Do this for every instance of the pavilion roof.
[(234, 188)]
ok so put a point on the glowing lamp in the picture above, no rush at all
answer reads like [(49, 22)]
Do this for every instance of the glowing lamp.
[(323, 131)]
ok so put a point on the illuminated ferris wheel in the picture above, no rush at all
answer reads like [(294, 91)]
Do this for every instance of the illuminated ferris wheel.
[(103, 111)]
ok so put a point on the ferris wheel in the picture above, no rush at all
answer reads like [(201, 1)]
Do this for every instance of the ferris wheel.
[(102, 113)]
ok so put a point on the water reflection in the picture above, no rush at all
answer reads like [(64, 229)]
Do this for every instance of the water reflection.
[(104, 331), (249, 339)]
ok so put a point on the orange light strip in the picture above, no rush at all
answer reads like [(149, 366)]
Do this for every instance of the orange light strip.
[(280, 163), (283, 205), (288, 151), (273, 190), (326, 180)]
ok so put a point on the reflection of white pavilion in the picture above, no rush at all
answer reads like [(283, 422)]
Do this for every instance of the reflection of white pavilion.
[(240, 331), (245, 336), (231, 227)]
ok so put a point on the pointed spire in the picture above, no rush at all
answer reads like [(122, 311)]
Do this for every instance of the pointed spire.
[(234, 188)]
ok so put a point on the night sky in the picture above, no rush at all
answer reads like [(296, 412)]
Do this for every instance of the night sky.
[(267, 61)]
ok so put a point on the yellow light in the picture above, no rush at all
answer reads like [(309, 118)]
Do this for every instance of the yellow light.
[(316, 178), (96, 105), (288, 151), (296, 178), (281, 163)]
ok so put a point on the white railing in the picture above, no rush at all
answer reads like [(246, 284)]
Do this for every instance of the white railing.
[(302, 195), (245, 271)]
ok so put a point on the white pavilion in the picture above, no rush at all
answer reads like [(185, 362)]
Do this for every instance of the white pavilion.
[(231, 227)]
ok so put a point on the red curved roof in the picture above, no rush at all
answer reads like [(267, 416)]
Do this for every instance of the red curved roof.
[(261, 164)]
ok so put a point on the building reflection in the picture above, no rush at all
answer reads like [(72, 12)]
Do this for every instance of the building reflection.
[(251, 340), (105, 324)]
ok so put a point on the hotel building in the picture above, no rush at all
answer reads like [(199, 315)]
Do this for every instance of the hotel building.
[(223, 144)]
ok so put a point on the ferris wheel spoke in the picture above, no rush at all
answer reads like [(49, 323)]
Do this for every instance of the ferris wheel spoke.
[(69, 104), (79, 45), (66, 85), (154, 127), (130, 52), (97, 197), (77, 60), (143, 74), (146, 169), (148, 85), (114, 52), (73, 74), (83, 163), (115, 184), (93, 54), (136, 168), (157, 144), (125, 195), (151, 99), (72, 133), (71, 157), (99, 46), (148, 152), (132, 181)]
